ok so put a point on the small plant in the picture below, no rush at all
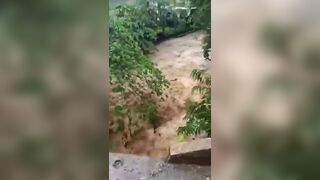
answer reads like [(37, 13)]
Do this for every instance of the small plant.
[(180, 138), (198, 114), (150, 113)]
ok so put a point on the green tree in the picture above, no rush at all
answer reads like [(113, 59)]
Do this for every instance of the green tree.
[(132, 73)]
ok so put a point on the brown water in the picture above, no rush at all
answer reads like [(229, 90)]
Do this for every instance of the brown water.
[(176, 58)]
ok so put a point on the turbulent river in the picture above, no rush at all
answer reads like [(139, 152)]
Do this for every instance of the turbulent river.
[(176, 58)]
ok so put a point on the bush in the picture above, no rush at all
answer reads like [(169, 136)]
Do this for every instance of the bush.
[(131, 72), (198, 114)]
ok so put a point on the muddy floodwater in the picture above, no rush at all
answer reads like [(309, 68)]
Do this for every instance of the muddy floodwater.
[(176, 58)]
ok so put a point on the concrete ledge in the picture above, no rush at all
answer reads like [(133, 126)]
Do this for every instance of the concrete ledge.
[(133, 167), (194, 152)]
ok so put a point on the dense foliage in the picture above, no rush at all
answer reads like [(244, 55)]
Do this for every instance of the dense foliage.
[(164, 17), (132, 74)]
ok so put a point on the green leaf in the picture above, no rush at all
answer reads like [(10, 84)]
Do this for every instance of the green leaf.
[(119, 88), (180, 138)]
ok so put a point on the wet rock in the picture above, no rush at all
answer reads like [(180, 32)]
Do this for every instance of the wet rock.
[(194, 152)]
